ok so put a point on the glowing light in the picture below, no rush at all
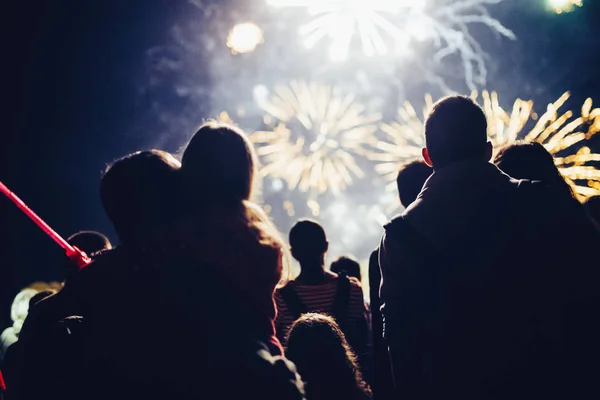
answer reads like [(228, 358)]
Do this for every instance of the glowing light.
[(315, 137), (561, 6), (243, 38), (379, 25), (558, 133)]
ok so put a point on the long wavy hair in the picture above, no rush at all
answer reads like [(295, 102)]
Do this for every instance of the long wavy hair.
[(324, 359), (220, 170)]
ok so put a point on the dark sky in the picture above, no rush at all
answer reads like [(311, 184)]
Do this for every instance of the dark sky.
[(72, 70)]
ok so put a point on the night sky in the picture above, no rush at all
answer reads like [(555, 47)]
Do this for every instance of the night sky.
[(73, 72)]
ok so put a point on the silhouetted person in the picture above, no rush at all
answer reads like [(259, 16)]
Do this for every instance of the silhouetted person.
[(484, 295), (324, 359), (317, 290), (90, 242), (136, 193), (347, 265), (409, 182), (592, 207), (229, 235), (533, 162)]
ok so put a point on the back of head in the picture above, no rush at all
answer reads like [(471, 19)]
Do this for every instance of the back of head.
[(410, 180), (90, 242), (219, 164), (347, 265), (317, 346), (530, 161), (592, 206), (138, 192), (308, 241), (455, 130)]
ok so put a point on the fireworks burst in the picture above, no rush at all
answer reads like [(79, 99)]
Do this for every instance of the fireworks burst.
[(555, 131), (382, 24), (405, 141), (315, 137)]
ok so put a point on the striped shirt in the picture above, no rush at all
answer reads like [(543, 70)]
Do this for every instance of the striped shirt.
[(319, 298)]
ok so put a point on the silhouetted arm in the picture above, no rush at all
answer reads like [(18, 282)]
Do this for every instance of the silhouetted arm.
[(401, 312)]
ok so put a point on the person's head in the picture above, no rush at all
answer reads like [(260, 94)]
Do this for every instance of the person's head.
[(308, 243), (530, 161), (592, 206), (316, 344), (410, 180), (348, 265), (90, 242), (456, 130), (138, 192), (219, 164)]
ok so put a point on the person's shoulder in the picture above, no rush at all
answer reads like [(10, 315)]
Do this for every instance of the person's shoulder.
[(354, 282), (272, 376), (397, 225), (374, 257)]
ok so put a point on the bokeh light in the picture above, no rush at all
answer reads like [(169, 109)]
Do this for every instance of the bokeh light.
[(243, 38), (561, 6)]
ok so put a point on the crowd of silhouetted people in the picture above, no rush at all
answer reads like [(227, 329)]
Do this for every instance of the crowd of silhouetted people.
[(485, 287)]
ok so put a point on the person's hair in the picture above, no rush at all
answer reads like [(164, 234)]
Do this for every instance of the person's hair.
[(530, 161), (308, 241), (90, 242), (348, 265), (455, 130), (316, 344), (592, 206), (41, 296), (410, 180), (219, 169), (219, 164), (139, 191)]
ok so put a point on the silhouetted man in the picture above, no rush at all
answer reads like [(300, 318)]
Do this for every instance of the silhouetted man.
[(409, 181), (486, 295)]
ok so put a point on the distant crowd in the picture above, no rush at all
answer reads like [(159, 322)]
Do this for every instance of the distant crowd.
[(485, 288)]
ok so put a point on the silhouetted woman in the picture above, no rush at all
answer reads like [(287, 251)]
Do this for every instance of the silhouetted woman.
[(324, 359), (533, 162), (228, 234)]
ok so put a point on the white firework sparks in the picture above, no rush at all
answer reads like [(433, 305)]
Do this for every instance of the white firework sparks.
[(315, 138), (382, 25)]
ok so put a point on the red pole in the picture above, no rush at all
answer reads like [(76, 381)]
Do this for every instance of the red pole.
[(76, 255)]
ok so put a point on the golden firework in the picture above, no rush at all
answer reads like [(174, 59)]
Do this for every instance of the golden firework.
[(404, 140), (315, 137), (558, 133), (565, 138)]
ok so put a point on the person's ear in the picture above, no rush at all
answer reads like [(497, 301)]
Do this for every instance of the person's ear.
[(489, 151), (326, 246), (426, 158)]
